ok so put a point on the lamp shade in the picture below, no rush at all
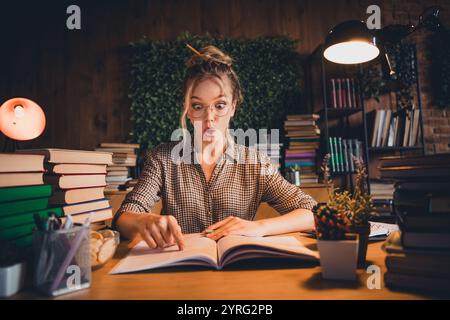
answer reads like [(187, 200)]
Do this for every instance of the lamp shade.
[(21, 119), (350, 42)]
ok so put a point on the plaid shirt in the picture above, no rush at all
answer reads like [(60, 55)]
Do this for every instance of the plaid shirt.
[(241, 180)]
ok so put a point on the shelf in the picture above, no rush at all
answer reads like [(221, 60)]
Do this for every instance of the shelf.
[(387, 149), (336, 113)]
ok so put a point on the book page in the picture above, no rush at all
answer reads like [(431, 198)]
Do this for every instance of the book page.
[(199, 250), (274, 245)]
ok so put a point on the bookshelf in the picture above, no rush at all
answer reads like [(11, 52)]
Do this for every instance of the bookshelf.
[(346, 123), (357, 122)]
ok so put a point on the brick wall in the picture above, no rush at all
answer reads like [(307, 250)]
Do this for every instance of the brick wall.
[(436, 120)]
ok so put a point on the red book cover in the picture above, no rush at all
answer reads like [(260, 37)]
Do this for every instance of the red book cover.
[(333, 92)]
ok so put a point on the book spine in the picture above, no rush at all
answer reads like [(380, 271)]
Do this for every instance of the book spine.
[(349, 94), (339, 92), (341, 158), (333, 92), (344, 94), (354, 100), (351, 154), (332, 155), (346, 158)]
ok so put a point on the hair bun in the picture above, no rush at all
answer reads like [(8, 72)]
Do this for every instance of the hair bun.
[(209, 54)]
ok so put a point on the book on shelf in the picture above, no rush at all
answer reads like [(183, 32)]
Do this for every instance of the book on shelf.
[(394, 129), (202, 251), (344, 93), (342, 152)]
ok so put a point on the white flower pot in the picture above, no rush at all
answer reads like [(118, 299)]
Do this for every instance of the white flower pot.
[(12, 279), (338, 258)]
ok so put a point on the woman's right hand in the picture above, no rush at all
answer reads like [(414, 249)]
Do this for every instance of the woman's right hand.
[(159, 231)]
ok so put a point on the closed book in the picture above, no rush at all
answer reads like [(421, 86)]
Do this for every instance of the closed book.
[(116, 168), (13, 162), (349, 93), (76, 181), (408, 281), (298, 163), (72, 196), (85, 206), (95, 216), (353, 89), (442, 159), (75, 168), (438, 202), (117, 173), (72, 156), (21, 179), (119, 145), (425, 265), (116, 179), (27, 217), (300, 155), (412, 173), (429, 240), (10, 208), (423, 222), (116, 150), (312, 116), (333, 93), (27, 192), (17, 231)]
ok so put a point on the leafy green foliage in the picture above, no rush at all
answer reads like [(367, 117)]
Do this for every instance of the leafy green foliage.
[(268, 68)]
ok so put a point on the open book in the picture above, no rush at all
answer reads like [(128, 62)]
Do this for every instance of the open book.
[(202, 251)]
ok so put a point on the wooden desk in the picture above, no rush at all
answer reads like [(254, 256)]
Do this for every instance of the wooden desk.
[(288, 282)]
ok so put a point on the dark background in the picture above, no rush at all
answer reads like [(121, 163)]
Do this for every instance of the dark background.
[(81, 77)]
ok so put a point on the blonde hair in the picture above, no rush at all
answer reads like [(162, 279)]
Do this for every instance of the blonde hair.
[(209, 62)]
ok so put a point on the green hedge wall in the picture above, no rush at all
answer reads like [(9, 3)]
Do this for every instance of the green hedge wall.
[(269, 70)]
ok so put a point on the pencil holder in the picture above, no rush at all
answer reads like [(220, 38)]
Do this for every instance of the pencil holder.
[(62, 260)]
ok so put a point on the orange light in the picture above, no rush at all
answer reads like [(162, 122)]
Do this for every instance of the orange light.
[(21, 119)]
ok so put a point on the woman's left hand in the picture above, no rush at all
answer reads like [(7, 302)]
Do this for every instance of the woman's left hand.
[(236, 226)]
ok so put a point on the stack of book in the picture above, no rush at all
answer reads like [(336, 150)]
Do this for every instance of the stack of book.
[(22, 195), (271, 147), (78, 180), (124, 160), (304, 138), (342, 153), (344, 93), (382, 193), (419, 254), (394, 129)]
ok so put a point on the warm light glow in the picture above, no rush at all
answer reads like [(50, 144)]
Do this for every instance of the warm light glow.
[(21, 119), (19, 111), (351, 52)]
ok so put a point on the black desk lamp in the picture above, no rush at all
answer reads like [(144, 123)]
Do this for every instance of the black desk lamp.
[(351, 42)]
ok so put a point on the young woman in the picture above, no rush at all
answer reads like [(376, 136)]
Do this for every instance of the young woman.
[(219, 191)]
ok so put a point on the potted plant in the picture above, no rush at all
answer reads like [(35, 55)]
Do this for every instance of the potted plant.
[(357, 206), (338, 249), (12, 269)]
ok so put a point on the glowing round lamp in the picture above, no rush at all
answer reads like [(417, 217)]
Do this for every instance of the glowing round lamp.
[(21, 119), (350, 42)]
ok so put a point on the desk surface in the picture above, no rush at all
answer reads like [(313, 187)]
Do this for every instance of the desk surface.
[(287, 282)]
